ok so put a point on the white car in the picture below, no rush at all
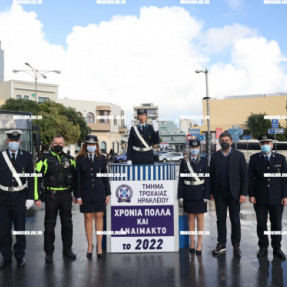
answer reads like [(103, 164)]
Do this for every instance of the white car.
[(171, 157)]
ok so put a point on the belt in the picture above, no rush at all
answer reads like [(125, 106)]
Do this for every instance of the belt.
[(141, 148), (188, 182), (13, 188)]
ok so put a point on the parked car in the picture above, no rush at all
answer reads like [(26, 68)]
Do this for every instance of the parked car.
[(120, 158), (157, 154), (171, 157)]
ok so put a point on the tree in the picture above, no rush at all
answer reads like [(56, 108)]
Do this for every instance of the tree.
[(56, 119), (258, 125), (21, 105)]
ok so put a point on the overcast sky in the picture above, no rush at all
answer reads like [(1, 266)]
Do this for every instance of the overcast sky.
[(148, 51)]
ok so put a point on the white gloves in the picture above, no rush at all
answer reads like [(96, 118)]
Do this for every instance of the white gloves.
[(29, 203), (155, 125), (129, 162), (180, 202), (205, 200)]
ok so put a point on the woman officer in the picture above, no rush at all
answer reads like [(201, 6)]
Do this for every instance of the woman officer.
[(93, 190), (193, 191)]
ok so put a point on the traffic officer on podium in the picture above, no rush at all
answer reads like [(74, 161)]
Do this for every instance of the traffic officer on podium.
[(142, 137), (58, 173), (268, 193), (16, 194)]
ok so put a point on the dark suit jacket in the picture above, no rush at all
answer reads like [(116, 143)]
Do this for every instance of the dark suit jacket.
[(267, 190), (89, 186), (238, 176), (23, 164), (142, 157), (193, 192)]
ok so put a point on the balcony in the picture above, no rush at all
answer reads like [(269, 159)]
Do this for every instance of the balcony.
[(101, 127)]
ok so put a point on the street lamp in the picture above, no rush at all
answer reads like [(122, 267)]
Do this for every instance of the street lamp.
[(207, 98), (37, 74)]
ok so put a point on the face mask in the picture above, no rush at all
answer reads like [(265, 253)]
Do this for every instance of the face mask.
[(57, 148), (91, 148), (266, 148), (224, 145), (194, 151), (13, 145)]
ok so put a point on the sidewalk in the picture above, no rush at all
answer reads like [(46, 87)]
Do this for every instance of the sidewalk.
[(157, 269)]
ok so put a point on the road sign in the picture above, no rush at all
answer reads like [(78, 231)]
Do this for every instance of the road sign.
[(194, 132), (274, 123), (188, 137), (236, 133), (276, 131), (202, 138)]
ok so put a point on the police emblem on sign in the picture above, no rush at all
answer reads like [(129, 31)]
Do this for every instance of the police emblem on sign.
[(124, 193)]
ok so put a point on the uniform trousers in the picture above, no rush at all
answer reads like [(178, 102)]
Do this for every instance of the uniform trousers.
[(275, 213), (60, 202), (16, 215)]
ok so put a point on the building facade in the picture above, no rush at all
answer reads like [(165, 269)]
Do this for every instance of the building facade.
[(106, 121), (26, 90), (1, 64), (171, 136), (152, 112), (234, 111)]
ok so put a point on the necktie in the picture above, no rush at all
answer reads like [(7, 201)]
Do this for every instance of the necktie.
[(267, 160), (91, 158), (142, 128), (13, 158)]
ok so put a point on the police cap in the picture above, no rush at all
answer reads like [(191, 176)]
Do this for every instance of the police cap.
[(14, 134), (265, 138), (142, 111), (91, 139), (194, 143)]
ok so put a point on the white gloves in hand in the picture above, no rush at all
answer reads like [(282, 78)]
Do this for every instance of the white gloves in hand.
[(29, 203), (180, 202), (155, 125), (129, 162), (205, 200)]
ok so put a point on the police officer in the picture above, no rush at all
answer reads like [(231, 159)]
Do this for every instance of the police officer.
[(141, 139), (193, 191), (58, 174), (92, 191), (268, 193), (16, 194)]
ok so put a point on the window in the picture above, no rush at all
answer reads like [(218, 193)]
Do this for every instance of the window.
[(115, 121), (104, 114), (42, 99), (90, 118), (103, 147), (26, 97), (80, 114), (18, 97)]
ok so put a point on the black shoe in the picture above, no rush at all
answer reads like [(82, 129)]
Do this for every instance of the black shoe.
[(89, 255), (220, 249), (279, 253), (198, 252), (100, 255), (236, 250), (191, 250), (5, 263), (262, 252), (49, 257), (70, 254), (21, 262)]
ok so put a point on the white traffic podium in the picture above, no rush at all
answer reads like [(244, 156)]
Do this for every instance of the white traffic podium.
[(143, 212)]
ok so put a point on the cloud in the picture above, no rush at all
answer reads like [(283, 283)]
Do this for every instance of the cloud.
[(131, 60), (235, 4), (220, 40), (23, 41)]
